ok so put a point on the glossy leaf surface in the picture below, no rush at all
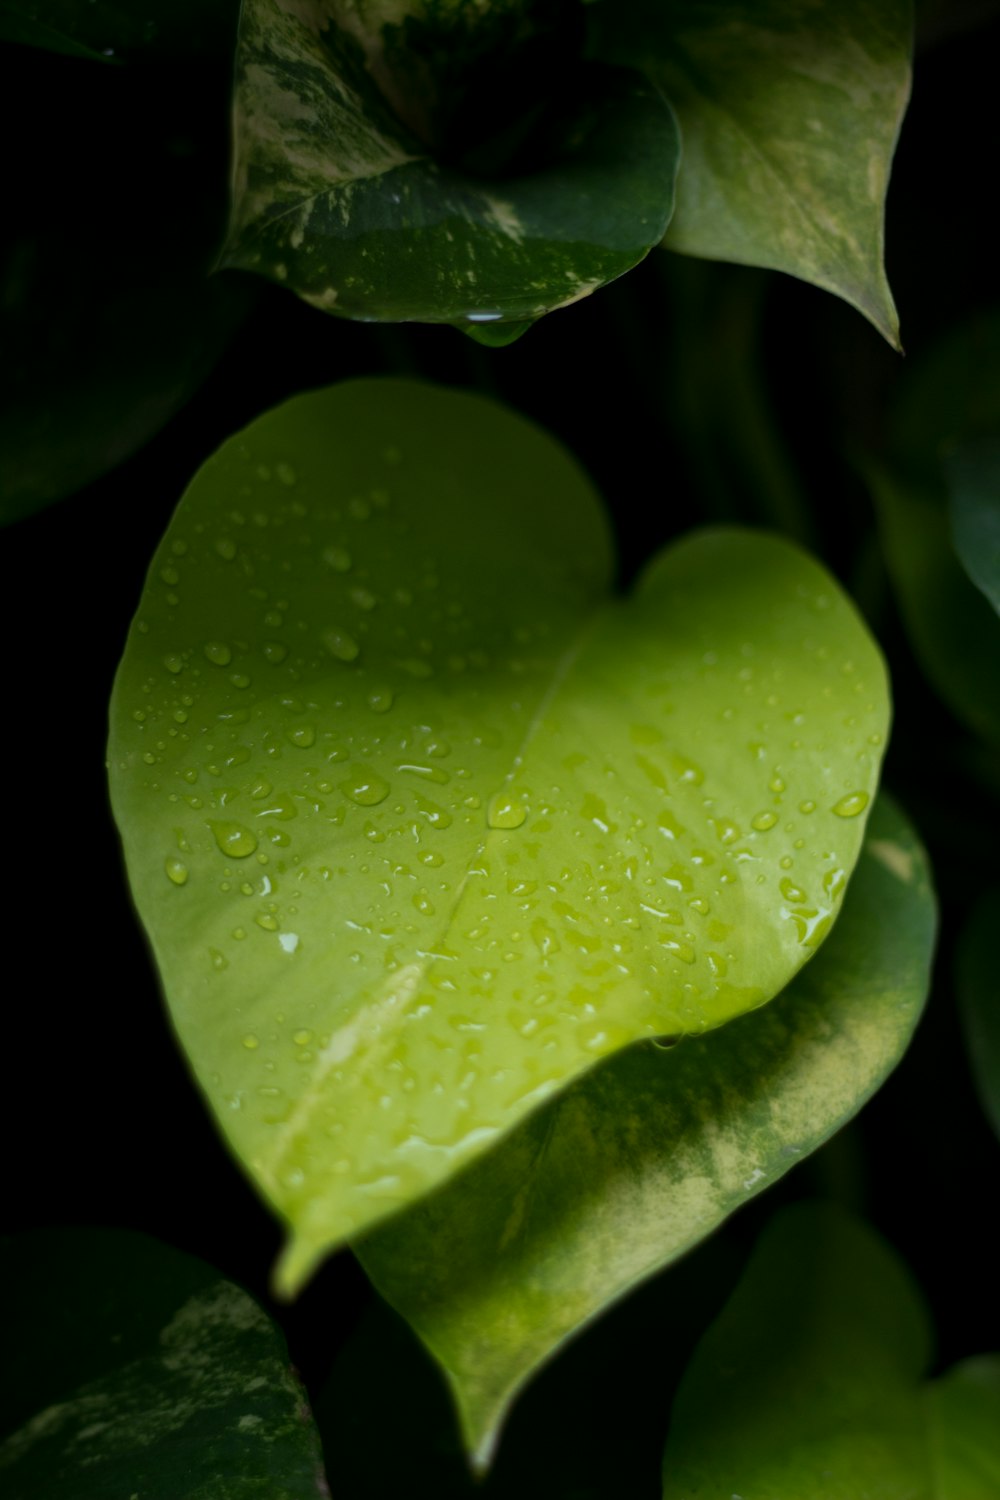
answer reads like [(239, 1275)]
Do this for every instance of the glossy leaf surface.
[(168, 1381), (973, 475), (352, 190), (979, 995), (647, 1154), (422, 823), (789, 114), (813, 1370)]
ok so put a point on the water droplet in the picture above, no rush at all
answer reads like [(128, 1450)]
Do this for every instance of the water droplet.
[(776, 784), (250, 1042), (302, 735), (851, 805), (170, 575), (338, 559), (174, 663), (763, 821), (792, 892), (289, 941), (285, 473), (380, 700), (239, 679), (218, 653), (177, 870), (341, 644), (275, 652), (436, 816), (365, 787), (363, 598), (267, 920), (233, 839), (226, 548), (807, 807), (505, 811)]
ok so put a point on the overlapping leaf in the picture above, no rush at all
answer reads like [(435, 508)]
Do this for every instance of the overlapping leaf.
[(355, 181), (937, 507), (647, 1154), (789, 113), (131, 1369), (812, 1373), (422, 824)]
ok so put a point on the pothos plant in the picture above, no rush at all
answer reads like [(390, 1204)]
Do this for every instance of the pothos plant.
[(518, 923)]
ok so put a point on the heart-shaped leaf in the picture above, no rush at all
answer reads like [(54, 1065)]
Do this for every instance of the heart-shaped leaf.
[(422, 823), (812, 1374), (789, 113), (647, 1154), (168, 1380), (370, 217)]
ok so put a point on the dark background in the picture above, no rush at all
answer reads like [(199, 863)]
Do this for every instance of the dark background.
[(692, 392)]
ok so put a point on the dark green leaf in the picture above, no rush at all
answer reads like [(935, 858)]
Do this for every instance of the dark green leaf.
[(979, 993), (134, 1370), (954, 631), (646, 1155), (963, 1412), (810, 1374), (973, 475), (789, 113), (104, 339), (373, 218), (117, 30), (422, 824)]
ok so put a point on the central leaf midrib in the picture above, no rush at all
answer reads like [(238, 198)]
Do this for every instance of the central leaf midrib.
[(327, 1058)]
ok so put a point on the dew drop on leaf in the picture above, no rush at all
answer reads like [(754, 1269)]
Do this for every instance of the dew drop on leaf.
[(233, 839), (851, 805)]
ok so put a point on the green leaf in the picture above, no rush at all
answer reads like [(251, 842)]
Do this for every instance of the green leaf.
[(810, 1370), (953, 629), (373, 218), (102, 348), (973, 475), (121, 30), (422, 824), (169, 1380), (789, 114), (645, 1156), (979, 995), (963, 1413)]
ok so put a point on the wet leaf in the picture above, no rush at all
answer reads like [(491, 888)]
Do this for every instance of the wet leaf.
[(789, 113), (424, 162), (814, 1369), (979, 995), (646, 1155), (422, 823), (169, 1380)]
